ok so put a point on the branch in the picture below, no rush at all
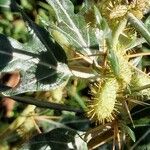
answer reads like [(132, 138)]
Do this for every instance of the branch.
[(140, 88), (44, 104)]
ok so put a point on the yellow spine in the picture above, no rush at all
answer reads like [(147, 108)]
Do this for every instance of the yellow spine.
[(102, 107)]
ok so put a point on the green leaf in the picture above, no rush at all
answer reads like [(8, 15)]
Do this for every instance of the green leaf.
[(107, 35), (38, 71), (147, 23), (128, 130), (5, 4), (113, 58), (41, 62), (98, 16), (73, 27), (59, 138), (142, 122), (140, 27), (114, 62), (101, 22), (142, 138), (102, 25)]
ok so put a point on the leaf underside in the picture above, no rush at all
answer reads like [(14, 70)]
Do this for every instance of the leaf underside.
[(41, 62)]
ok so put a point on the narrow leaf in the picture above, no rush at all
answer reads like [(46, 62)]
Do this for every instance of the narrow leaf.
[(139, 26), (129, 132), (4, 4)]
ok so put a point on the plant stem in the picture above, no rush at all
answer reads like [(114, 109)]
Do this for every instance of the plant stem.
[(44, 104), (137, 89), (141, 88), (139, 26), (138, 54)]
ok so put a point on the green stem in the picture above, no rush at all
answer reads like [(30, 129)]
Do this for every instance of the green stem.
[(139, 26), (44, 104), (140, 88)]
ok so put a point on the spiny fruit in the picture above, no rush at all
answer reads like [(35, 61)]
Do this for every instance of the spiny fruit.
[(104, 103), (102, 107), (118, 11), (138, 80)]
